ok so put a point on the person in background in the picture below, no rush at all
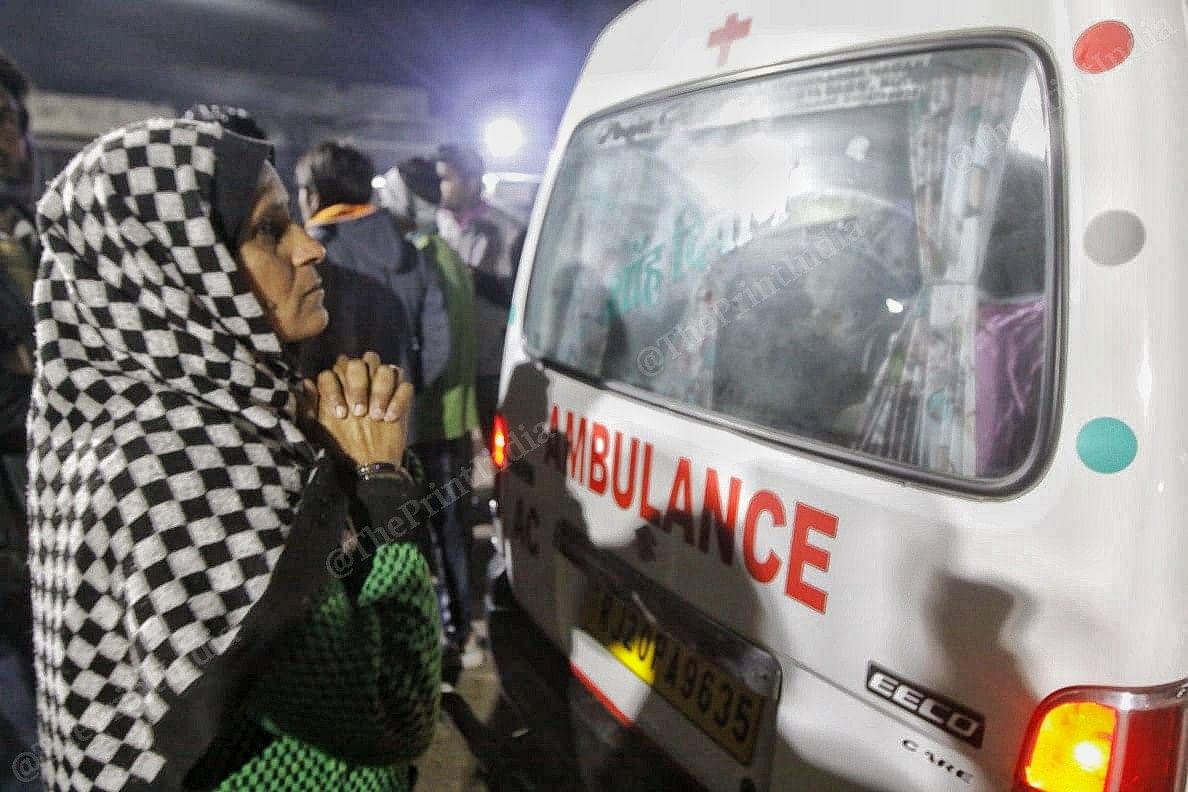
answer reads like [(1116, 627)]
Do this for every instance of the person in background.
[(489, 241), (411, 192), (210, 609), (381, 293), (18, 265), (446, 411)]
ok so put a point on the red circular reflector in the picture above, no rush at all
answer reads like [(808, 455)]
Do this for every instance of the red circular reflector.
[(1103, 46)]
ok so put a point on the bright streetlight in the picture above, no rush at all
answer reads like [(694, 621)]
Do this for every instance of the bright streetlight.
[(503, 137)]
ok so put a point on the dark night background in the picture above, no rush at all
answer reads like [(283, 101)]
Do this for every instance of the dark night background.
[(474, 59)]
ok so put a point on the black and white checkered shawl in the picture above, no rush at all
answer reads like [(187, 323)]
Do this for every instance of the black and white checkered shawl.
[(166, 464)]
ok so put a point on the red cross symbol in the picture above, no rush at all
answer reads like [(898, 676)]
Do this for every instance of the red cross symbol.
[(728, 33)]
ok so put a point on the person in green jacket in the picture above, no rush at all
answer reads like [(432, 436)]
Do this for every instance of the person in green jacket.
[(446, 410)]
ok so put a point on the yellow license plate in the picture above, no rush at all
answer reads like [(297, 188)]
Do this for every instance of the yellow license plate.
[(716, 701)]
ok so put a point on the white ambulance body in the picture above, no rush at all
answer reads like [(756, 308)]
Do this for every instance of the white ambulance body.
[(844, 393)]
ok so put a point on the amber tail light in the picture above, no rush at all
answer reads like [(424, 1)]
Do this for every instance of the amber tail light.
[(499, 441), (1106, 740)]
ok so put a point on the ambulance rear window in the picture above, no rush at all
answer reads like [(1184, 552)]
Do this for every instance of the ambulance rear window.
[(857, 256)]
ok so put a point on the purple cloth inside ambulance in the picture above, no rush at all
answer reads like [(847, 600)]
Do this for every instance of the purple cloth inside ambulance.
[(1010, 360)]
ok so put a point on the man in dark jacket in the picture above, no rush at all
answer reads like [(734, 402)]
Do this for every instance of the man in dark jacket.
[(18, 265), (381, 293), (448, 413)]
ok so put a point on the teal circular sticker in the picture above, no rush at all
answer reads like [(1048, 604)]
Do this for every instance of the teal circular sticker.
[(1107, 445)]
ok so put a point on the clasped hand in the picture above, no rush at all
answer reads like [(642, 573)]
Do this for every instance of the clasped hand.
[(362, 406)]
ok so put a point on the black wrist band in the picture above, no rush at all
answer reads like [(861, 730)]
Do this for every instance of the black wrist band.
[(380, 470)]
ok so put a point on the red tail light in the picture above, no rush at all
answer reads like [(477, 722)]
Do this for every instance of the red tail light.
[(499, 441), (1106, 740)]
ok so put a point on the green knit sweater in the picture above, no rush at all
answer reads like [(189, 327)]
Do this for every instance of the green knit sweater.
[(347, 701)]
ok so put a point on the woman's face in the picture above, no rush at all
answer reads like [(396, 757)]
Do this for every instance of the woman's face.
[(279, 259)]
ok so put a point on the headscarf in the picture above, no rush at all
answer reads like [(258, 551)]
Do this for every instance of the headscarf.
[(411, 192), (166, 463)]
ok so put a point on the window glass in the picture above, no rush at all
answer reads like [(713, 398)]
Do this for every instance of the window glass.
[(855, 255)]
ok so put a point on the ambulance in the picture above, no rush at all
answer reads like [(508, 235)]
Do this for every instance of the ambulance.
[(842, 437)]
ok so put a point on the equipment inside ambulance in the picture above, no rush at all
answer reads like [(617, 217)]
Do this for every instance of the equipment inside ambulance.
[(841, 438)]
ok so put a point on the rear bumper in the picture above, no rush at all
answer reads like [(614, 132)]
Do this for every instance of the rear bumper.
[(568, 718)]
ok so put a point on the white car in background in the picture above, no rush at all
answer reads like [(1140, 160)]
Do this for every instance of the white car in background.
[(512, 191)]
